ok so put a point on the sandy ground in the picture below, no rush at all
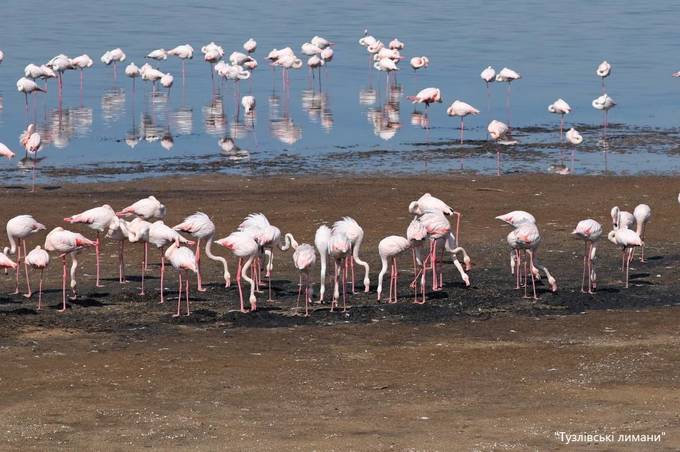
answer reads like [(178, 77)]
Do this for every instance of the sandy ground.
[(476, 368)]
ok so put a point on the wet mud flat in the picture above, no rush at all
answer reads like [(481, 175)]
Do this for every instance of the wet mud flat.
[(475, 367)]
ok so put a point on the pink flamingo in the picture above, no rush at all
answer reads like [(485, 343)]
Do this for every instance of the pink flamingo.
[(627, 240), (304, 259), (642, 214), (244, 246), (321, 239), (149, 209), (526, 237), (19, 229), (515, 219), (162, 236), (118, 232), (560, 107), (461, 109), (38, 259), (182, 259), (489, 76), (354, 233), (28, 86), (6, 262), (508, 76), (6, 152), (339, 248), (589, 231), (138, 231), (67, 242), (114, 57), (388, 249), (98, 219), (426, 96), (603, 71), (200, 226)]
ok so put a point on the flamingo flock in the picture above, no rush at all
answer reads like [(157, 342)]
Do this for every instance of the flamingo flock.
[(429, 236)]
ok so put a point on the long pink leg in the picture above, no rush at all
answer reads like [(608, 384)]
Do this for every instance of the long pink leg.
[(179, 296), (433, 252), (308, 297), (40, 290), (28, 281), (238, 282), (586, 258), (531, 266), (146, 252), (186, 290), (63, 285), (351, 264), (97, 254), (198, 267), (395, 277), (143, 267), (335, 283), (389, 298), (297, 303), (18, 267), (518, 261), (344, 291), (590, 268), (162, 274)]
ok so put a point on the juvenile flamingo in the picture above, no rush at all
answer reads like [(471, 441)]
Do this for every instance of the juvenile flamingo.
[(39, 259), (589, 231)]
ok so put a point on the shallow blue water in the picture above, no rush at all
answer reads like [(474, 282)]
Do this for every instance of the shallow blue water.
[(335, 126)]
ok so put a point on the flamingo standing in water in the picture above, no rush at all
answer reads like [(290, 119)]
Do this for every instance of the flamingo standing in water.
[(508, 76), (250, 45), (38, 259), (200, 226), (604, 103), (304, 258), (489, 76), (573, 136), (60, 64), (183, 260), (6, 152), (28, 86), (81, 63), (642, 214), (589, 231), (244, 246), (560, 107), (19, 229), (420, 62), (498, 131), (184, 52), (603, 71), (388, 249), (627, 240), (426, 96), (132, 71), (114, 57), (461, 109), (66, 242), (98, 219)]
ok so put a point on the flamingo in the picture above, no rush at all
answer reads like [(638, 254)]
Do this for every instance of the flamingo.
[(158, 55), (438, 227), (427, 203), (38, 259), (244, 246), (420, 62), (573, 136), (321, 240), (250, 45), (387, 66), (67, 242), (589, 231), (508, 76), (18, 230), (132, 71), (28, 86), (304, 258), (81, 63), (315, 62), (268, 237), (200, 226), (416, 233), (603, 71), (527, 238), (166, 81), (396, 44), (560, 107), (461, 109), (114, 57), (7, 263), (349, 228), (327, 54), (6, 152), (2, 56), (60, 64), (515, 219), (184, 52), (310, 49), (604, 103), (621, 219), (162, 236), (98, 219), (182, 259), (248, 103), (149, 209), (426, 96), (388, 249), (642, 214), (118, 232), (498, 130), (321, 43), (339, 249), (489, 76), (627, 240), (138, 231)]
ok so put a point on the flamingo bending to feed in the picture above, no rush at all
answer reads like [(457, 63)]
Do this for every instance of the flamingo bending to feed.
[(388, 249), (67, 242), (18, 230), (182, 259), (162, 236), (589, 231), (527, 238), (244, 246), (39, 259), (348, 227), (627, 240), (427, 202), (200, 226), (621, 219), (98, 219), (515, 219), (461, 109), (339, 249), (304, 258), (642, 214)]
